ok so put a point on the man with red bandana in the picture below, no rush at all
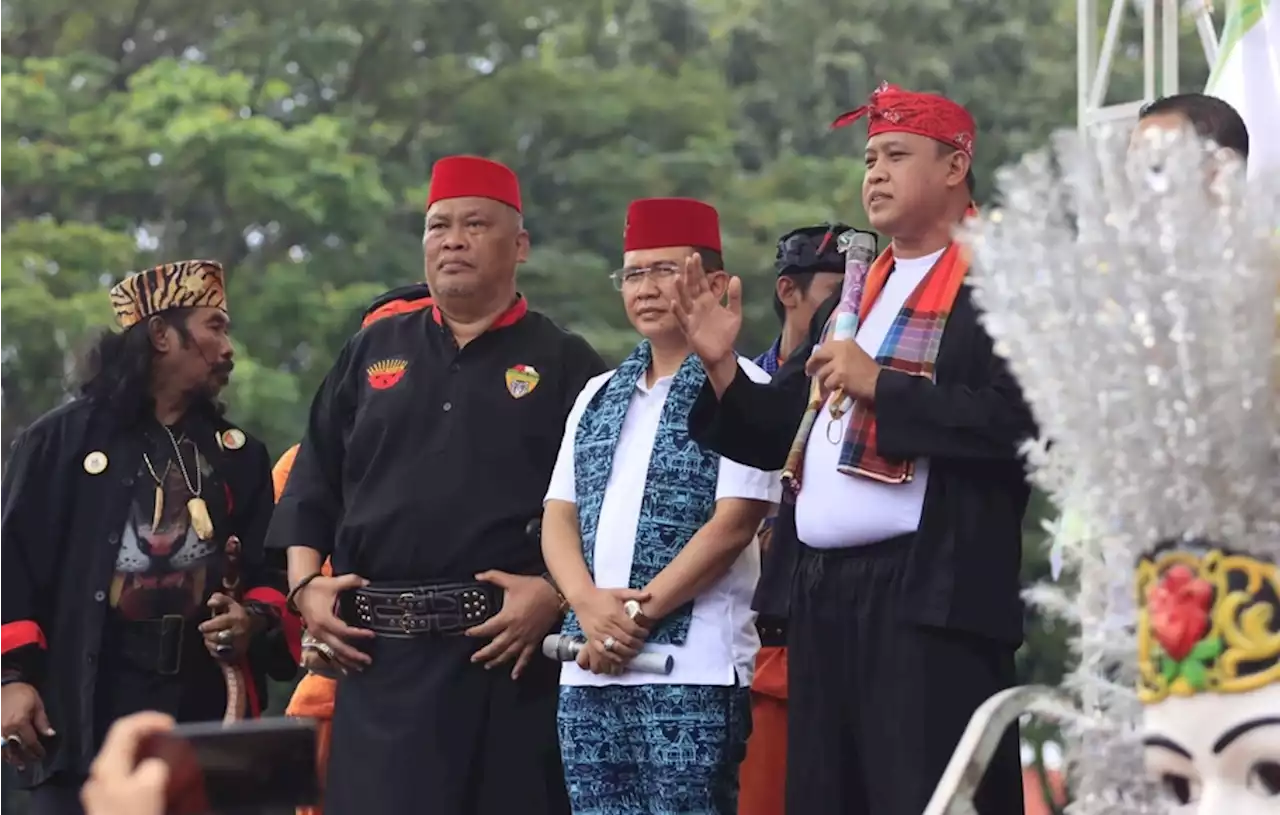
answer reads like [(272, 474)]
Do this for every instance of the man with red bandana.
[(427, 453), (906, 499)]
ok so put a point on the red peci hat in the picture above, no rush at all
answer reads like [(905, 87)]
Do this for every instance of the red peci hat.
[(467, 176), (654, 223), (893, 110)]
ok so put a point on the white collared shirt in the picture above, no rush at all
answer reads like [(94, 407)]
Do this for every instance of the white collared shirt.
[(835, 510), (722, 642)]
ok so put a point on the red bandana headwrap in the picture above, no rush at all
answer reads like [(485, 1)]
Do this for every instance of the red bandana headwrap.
[(654, 223), (472, 176), (893, 110)]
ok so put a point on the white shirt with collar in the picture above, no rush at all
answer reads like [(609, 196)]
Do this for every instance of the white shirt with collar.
[(835, 510), (722, 642)]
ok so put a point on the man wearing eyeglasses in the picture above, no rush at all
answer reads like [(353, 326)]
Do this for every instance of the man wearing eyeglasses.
[(637, 511)]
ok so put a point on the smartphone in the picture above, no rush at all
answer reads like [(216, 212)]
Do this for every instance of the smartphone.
[(253, 767)]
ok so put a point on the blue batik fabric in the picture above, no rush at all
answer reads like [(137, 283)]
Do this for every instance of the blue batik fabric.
[(768, 361), (653, 749), (680, 485)]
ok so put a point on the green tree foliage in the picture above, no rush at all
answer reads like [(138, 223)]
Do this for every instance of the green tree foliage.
[(293, 139)]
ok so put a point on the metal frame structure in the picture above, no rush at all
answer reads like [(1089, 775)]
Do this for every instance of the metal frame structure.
[(1094, 59)]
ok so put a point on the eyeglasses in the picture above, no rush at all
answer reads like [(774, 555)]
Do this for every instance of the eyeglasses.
[(631, 276)]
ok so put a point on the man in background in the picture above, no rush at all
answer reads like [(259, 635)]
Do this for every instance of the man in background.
[(1212, 119), (810, 269)]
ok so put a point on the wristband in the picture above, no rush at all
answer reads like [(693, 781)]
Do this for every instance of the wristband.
[(293, 593)]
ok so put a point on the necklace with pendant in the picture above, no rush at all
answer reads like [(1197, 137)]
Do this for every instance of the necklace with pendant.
[(157, 514), (197, 509)]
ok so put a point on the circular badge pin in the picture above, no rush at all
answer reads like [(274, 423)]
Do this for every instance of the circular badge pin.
[(95, 463), (233, 439)]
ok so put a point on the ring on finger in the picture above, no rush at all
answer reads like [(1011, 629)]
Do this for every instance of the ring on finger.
[(225, 635), (609, 643)]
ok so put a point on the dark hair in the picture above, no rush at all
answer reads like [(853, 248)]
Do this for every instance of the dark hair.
[(712, 261), (803, 281), (116, 369), (1212, 118)]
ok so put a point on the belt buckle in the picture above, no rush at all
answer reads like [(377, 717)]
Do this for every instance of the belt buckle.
[(171, 625), (405, 601)]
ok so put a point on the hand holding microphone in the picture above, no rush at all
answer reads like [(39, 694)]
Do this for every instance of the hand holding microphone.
[(566, 649), (615, 629), (860, 251)]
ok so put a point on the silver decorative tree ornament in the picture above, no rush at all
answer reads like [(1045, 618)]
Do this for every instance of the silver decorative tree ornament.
[(1132, 283)]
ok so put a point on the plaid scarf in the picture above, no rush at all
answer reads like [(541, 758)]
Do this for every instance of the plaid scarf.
[(911, 346)]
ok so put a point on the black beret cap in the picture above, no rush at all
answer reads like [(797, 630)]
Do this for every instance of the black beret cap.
[(811, 249)]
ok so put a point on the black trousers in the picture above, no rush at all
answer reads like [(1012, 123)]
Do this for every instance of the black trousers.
[(876, 703), (59, 795), (424, 729)]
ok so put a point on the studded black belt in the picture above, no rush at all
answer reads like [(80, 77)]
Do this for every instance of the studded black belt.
[(444, 609)]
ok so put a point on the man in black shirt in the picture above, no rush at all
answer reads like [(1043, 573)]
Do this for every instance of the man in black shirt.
[(128, 514), (428, 451)]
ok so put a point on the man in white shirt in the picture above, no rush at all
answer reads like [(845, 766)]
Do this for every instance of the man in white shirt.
[(638, 511), (903, 605)]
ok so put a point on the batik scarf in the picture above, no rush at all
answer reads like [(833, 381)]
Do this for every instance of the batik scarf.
[(911, 346), (680, 486)]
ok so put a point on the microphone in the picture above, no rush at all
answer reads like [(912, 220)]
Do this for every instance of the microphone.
[(859, 252), (565, 649)]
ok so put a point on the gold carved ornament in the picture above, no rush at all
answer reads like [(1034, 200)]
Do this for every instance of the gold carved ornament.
[(1207, 623)]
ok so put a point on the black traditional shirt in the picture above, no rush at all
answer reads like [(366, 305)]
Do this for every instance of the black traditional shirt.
[(83, 558), (963, 571), (424, 461)]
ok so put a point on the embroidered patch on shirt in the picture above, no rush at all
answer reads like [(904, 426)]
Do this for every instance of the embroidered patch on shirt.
[(521, 380), (384, 374)]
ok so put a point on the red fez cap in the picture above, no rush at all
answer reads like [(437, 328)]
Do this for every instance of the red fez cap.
[(468, 176), (893, 110), (654, 223)]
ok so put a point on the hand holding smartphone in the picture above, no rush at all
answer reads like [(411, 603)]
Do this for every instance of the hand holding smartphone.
[(246, 768)]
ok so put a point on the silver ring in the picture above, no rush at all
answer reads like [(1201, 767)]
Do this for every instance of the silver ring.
[(325, 650), (609, 642), (225, 635), (13, 741)]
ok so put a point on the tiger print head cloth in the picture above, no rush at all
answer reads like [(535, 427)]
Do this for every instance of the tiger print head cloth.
[(185, 284)]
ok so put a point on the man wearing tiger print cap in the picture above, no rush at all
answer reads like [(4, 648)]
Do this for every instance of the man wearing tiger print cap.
[(135, 576)]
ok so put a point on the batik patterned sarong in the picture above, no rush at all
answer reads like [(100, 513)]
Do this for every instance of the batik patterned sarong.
[(653, 749)]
